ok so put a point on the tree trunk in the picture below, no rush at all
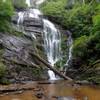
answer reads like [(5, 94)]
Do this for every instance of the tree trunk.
[(50, 67)]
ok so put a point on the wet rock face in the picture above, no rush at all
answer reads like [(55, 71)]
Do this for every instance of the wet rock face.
[(21, 65), (32, 27), (17, 48)]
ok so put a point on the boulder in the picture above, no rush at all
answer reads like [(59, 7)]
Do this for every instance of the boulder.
[(37, 22)]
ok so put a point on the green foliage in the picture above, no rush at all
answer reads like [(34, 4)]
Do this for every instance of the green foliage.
[(94, 45), (4, 81), (96, 23), (87, 48), (6, 11), (80, 47), (95, 79), (19, 4), (78, 19), (38, 73), (83, 20)]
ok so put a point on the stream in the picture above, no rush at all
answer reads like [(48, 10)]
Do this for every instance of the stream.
[(58, 90)]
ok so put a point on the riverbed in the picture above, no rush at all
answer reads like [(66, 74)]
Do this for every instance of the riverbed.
[(52, 90)]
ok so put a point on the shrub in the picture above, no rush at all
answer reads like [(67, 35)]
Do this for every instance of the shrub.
[(96, 23), (80, 47), (6, 11)]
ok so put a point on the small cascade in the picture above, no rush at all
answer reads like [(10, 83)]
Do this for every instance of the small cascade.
[(34, 13), (20, 21), (70, 45), (52, 44), (52, 75), (30, 13), (28, 2), (39, 2)]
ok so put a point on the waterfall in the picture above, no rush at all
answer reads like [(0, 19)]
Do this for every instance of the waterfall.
[(52, 44), (51, 36), (70, 45), (20, 21), (28, 2), (39, 2)]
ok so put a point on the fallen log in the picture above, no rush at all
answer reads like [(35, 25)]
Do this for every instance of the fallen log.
[(51, 67), (15, 89), (96, 62)]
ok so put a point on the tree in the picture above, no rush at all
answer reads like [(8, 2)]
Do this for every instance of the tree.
[(6, 11)]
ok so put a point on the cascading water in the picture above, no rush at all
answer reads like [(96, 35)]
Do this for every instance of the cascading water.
[(28, 2), (39, 2), (30, 13), (52, 42), (70, 45), (52, 38), (20, 21), (52, 45)]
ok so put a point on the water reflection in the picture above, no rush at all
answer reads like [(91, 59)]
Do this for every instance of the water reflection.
[(66, 98)]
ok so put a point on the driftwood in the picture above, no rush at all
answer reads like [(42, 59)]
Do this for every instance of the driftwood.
[(97, 62), (51, 67), (15, 89)]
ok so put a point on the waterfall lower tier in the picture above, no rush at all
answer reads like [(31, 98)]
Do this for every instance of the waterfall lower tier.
[(52, 45), (52, 75)]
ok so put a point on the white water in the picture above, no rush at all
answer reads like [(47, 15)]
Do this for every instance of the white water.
[(70, 45), (70, 42), (34, 13), (52, 42), (52, 75), (39, 2), (28, 2), (52, 45), (52, 38), (31, 13)]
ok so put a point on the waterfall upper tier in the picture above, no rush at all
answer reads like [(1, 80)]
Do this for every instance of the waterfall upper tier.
[(34, 3)]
